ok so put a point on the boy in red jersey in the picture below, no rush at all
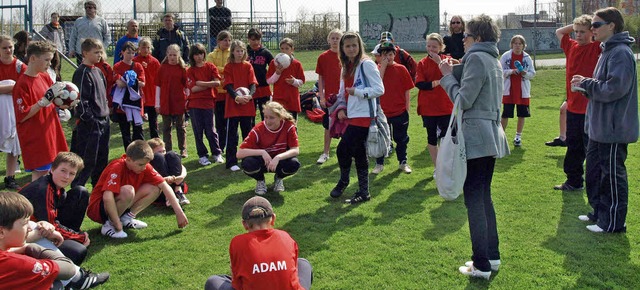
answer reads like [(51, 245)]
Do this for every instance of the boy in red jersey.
[(264, 257), (126, 187), (151, 67), (395, 103), (37, 122)]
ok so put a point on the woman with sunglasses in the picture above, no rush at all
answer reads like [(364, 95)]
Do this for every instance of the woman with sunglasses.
[(611, 121), (479, 91)]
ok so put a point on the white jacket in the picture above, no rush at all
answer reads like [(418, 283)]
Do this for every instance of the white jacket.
[(358, 104), (507, 71)]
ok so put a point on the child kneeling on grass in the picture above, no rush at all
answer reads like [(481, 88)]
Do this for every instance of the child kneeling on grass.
[(126, 187), (264, 257), (271, 146), (169, 166)]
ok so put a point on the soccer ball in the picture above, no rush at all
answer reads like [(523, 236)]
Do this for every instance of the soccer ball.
[(242, 91), (283, 59), (68, 95)]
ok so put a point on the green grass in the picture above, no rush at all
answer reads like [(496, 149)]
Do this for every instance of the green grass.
[(406, 237)]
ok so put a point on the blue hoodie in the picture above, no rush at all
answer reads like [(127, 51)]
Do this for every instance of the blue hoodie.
[(612, 112)]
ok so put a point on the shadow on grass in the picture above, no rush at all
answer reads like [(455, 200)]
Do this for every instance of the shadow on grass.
[(227, 211), (601, 260), (505, 164), (98, 241), (448, 218), (402, 202), (559, 157)]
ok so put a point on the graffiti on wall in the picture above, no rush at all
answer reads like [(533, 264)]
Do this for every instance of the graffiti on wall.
[(407, 31)]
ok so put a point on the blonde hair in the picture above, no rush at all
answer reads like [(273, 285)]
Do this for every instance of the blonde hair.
[(334, 31), (518, 37), (155, 142), (175, 48), (237, 44), (145, 41), (139, 150), (277, 109), (437, 37), (4, 37), (584, 20)]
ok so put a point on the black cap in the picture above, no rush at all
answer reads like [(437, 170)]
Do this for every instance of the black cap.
[(257, 207)]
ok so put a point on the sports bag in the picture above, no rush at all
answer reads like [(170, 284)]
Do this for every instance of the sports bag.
[(451, 164), (379, 138)]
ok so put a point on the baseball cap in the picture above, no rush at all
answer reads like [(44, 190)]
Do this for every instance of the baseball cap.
[(386, 36), (385, 47), (257, 207), (375, 49)]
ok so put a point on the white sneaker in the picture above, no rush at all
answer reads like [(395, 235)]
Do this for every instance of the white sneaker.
[(495, 264), (129, 222), (218, 158), (377, 169), (278, 185), (473, 272), (584, 217), (261, 187), (109, 231), (595, 229), (204, 161), (405, 168), (323, 158), (234, 168)]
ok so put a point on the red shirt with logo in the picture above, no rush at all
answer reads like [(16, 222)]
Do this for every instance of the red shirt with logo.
[(204, 99), (329, 68), (515, 91), (23, 272), (172, 79), (114, 176), (581, 60), (274, 142), (150, 73), (397, 81), (434, 102), (285, 94), (239, 75)]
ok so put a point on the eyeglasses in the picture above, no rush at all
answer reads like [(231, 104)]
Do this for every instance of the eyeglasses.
[(597, 24), (456, 22), (465, 35)]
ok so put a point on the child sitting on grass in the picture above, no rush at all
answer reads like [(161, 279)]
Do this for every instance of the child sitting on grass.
[(169, 165)]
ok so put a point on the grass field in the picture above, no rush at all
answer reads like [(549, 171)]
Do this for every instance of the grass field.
[(406, 237)]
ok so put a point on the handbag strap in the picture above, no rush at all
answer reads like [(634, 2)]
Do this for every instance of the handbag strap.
[(372, 107)]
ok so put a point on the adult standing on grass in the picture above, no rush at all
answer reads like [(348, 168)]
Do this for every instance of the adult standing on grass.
[(219, 20), (360, 87), (89, 26), (168, 35), (54, 32), (480, 94), (611, 120), (131, 36), (454, 42)]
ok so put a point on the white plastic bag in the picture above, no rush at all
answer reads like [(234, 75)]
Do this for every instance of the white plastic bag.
[(451, 164)]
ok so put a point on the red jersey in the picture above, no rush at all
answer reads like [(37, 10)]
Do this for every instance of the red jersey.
[(285, 94), (41, 136), (274, 142), (110, 76), (172, 79), (397, 81), (433, 102), (23, 272), (114, 176), (12, 71), (329, 68), (203, 99), (120, 68), (515, 91), (239, 75), (264, 259), (150, 73), (581, 60)]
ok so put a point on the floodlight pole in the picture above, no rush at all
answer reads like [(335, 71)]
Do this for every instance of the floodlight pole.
[(535, 30), (346, 14), (135, 13)]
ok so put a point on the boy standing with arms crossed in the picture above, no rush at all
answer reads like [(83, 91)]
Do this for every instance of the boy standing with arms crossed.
[(126, 187)]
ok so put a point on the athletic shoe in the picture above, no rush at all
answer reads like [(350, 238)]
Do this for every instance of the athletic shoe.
[(278, 185), (88, 280), (10, 183), (338, 190), (182, 199), (567, 187), (234, 168), (110, 231), (358, 198), (495, 264), (261, 187), (323, 158), (184, 154), (218, 158), (204, 161), (473, 272), (377, 169), (556, 142), (595, 229), (405, 167), (587, 217), (517, 142), (128, 221)]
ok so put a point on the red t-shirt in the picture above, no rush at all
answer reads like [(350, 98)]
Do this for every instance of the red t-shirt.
[(361, 121), (41, 136), (285, 94), (274, 142), (120, 68), (23, 272), (329, 68), (581, 60), (12, 71), (113, 177), (203, 99), (239, 75), (396, 82), (150, 73), (264, 259), (515, 91), (172, 79), (110, 76), (433, 102)]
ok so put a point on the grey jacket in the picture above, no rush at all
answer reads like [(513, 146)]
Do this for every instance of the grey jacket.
[(612, 112), (480, 94), (84, 28), (55, 35)]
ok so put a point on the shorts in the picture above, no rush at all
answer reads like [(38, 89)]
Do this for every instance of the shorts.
[(103, 213), (41, 168), (436, 127), (523, 111), (325, 119)]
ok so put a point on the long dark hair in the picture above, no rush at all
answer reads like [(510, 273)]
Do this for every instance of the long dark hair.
[(349, 70)]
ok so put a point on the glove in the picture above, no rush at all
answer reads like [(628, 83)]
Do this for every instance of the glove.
[(519, 66), (130, 77), (64, 115), (53, 91)]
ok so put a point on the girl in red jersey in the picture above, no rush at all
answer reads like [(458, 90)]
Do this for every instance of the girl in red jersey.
[(170, 100), (433, 103), (239, 109), (203, 77), (128, 102), (286, 81), (272, 146), (151, 67), (10, 69)]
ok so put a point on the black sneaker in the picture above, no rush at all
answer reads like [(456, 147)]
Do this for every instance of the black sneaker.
[(566, 187), (10, 183), (556, 142), (88, 280), (358, 198), (338, 190)]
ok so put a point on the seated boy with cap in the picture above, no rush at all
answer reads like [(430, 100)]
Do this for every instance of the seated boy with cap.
[(264, 257)]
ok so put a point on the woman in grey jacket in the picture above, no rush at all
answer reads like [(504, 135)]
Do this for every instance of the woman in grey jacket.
[(480, 92), (360, 88), (611, 122)]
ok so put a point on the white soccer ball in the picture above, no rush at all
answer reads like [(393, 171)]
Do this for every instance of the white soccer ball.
[(242, 91), (68, 94), (283, 59)]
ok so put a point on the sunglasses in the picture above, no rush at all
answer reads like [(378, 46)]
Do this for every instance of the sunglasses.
[(465, 35), (597, 24), (455, 22)]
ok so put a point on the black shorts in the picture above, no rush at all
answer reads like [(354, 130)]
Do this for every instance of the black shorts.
[(325, 119), (103, 212), (523, 111), (436, 127)]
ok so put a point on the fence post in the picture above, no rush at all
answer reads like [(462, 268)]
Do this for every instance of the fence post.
[(135, 13)]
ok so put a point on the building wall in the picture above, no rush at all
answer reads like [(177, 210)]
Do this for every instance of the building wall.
[(545, 41)]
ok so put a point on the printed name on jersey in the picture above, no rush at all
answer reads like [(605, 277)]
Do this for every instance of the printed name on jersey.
[(269, 267)]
